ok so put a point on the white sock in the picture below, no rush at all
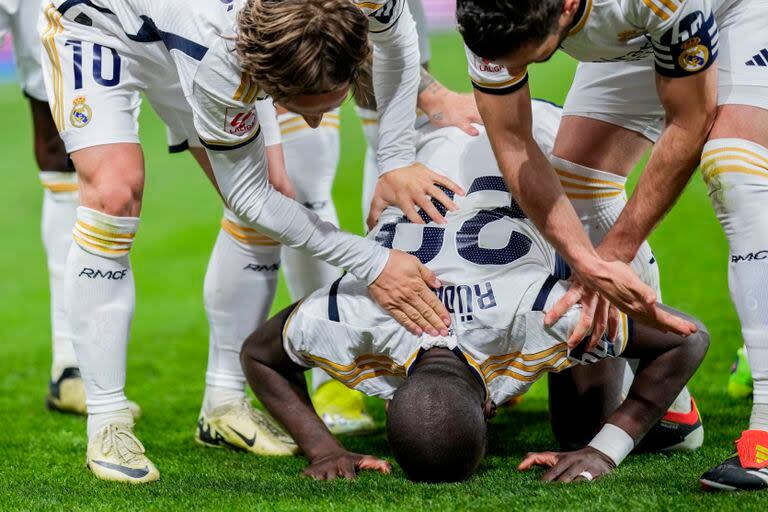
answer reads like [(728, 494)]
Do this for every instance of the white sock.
[(96, 422), (759, 418), (599, 197), (734, 170), (60, 201), (240, 284), (101, 297), (370, 121), (311, 158)]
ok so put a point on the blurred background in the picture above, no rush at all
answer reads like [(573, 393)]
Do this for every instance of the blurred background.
[(42, 452)]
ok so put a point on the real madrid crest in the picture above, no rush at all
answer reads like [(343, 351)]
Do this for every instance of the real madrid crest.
[(81, 113), (694, 55)]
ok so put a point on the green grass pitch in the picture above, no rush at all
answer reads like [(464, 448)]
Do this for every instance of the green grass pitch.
[(42, 454)]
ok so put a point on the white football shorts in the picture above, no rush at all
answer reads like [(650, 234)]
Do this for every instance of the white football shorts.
[(95, 80), (19, 18), (624, 93)]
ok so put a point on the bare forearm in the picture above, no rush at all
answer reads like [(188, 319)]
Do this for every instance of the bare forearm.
[(286, 397), (669, 169), (537, 190), (667, 362), (690, 104)]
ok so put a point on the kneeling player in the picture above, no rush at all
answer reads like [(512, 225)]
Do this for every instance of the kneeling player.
[(496, 270)]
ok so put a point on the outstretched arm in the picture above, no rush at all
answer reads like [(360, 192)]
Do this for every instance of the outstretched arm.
[(280, 385), (535, 186), (667, 362)]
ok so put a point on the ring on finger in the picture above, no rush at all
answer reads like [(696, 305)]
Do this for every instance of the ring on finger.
[(586, 475)]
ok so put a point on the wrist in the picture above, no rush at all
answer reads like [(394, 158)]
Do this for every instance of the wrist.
[(618, 248), (326, 450), (613, 442)]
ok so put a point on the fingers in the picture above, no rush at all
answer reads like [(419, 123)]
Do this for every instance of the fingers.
[(614, 322), (567, 471), (546, 459), (403, 319), (370, 463), (408, 207), (377, 206), (561, 307), (586, 318), (432, 281), (467, 128), (442, 198), (450, 185), (430, 210), (347, 470), (434, 304), (600, 323), (415, 313), (668, 322)]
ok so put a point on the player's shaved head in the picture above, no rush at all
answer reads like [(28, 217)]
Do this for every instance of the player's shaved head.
[(435, 423)]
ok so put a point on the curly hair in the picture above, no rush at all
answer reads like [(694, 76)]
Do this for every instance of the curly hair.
[(494, 28), (292, 47)]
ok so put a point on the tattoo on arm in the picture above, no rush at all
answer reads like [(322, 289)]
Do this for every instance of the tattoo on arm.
[(427, 82)]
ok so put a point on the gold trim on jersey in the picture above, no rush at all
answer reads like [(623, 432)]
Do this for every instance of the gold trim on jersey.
[(583, 21), (662, 8), (229, 144), (512, 81), (288, 320), (297, 123), (533, 377), (48, 39), (247, 91), (364, 367), (370, 5), (246, 235)]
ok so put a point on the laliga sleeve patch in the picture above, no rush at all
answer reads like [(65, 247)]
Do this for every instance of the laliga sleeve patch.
[(240, 121), (688, 46)]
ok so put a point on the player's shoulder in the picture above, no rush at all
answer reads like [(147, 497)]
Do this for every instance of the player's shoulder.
[(649, 14)]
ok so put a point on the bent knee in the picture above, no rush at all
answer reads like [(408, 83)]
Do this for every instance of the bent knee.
[(698, 342), (119, 198)]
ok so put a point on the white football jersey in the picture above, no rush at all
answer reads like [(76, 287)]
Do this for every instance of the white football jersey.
[(497, 275), (197, 38), (679, 36), (200, 36)]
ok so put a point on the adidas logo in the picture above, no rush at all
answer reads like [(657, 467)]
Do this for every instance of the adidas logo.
[(761, 454), (761, 59)]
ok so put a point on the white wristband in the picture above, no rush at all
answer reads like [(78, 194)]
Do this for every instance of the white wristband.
[(613, 442)]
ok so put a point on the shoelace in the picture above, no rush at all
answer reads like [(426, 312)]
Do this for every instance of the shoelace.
[(264, 420), (119, 439)]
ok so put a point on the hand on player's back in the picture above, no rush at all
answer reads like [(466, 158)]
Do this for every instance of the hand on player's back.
[(459, 110), (409, 188), (403, 290), (618, 284), (344, 465)]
